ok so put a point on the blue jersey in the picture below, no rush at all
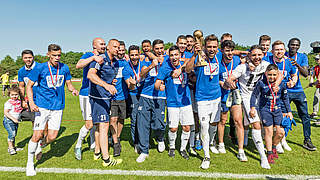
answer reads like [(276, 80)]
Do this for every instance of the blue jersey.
[(134, 72), (107, 73), (23, 76), (224, 72), (302, 60), (186, 55), (266, 56), (207, 84), (50, 93), (177, 91), (84, 91), (122, 70), (148, 90), (285, 67), (266, 97)]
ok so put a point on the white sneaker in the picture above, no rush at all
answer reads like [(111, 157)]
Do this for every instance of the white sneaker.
[(265, 164), (222, 149), (214, 150), (242, 157), (142, 157), (38, 153), (30, 171), (285, 145), (279, 149), (161, 146), (205, 163)]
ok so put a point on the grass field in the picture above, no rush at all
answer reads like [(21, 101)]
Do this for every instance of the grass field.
[(60, 153)]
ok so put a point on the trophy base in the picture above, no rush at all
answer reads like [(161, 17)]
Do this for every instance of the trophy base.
[(201, 64)]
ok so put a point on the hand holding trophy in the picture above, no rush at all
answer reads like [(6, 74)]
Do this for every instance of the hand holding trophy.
[(198, 36)]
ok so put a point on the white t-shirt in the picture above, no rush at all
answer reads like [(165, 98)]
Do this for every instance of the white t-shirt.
[(14, 106), (247, 78)]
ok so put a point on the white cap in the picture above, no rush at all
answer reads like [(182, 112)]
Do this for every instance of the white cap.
[(317, 56)]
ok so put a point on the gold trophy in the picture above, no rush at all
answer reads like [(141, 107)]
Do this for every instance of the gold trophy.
[(198, 35)]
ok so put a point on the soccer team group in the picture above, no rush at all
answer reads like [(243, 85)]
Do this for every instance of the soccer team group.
[(197, 82)]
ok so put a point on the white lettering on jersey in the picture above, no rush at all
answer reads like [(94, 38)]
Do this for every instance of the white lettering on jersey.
[(60, 80), (153, 72), (119, 74), (214, 68)]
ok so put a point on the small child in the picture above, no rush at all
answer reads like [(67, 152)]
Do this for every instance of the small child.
[(12, 110), (317, 92), (269, 105)]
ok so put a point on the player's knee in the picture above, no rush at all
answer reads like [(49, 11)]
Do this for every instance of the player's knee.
[(222, 123), (52, 137), (36, 137), (89, 125), (214, 124), (255, 125), (281, 133), (173, 130), (238, 123), (186, 128)]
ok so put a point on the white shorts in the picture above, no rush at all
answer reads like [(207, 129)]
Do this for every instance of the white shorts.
[(53, 117), (246, 109), (193, 101), (85, 107), (209, 110), (184, 115)]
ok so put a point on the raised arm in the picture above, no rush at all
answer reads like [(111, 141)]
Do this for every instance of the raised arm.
[(145, 69), (131, 83), (84, 62), (158, 85)]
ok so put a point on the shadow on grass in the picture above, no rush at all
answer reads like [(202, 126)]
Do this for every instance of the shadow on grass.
[(59, 147), (295, 143), (268, 177), (23, 143)]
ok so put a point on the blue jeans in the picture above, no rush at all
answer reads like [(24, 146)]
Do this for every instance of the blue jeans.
[(300, 100), (134, 104), (11, 127), (151, 114)]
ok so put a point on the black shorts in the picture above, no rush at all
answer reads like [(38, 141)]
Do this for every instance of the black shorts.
[(4, 87), (118, 109)]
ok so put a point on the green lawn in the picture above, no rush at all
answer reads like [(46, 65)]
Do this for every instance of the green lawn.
[(60, 153)]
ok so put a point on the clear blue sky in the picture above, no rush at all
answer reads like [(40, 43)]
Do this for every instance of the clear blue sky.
[(35, 24)]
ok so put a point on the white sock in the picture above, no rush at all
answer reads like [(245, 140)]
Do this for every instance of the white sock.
[(205, 138), (221, 144), (184, 140), (257, 139), (92, 140), (241, 151), (212, 133), (82, 134), (192, 135), (172, 139), (32, 146), (197, 135)]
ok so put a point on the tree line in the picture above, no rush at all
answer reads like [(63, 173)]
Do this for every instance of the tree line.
[(71, 58)]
